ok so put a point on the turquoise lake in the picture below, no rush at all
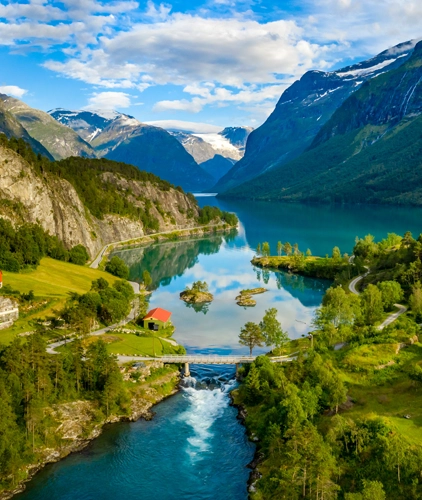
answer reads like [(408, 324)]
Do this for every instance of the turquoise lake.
[(195, 448)]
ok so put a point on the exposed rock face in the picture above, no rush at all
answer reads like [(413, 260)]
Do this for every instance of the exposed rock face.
[(55, 205), (9, 312)]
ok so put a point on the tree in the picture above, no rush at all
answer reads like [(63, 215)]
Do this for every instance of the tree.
[(415, 299), (279, 248), (338, 308), (199, 286), (251, 336), (336, 255), (308, 253), (146, 279), (266, 249), (371, 300), (372, 490), (271, 329), (253, 383), (296, 249), (117, 267), (258, 249), (78, 255), (288, 249), (391, 292)]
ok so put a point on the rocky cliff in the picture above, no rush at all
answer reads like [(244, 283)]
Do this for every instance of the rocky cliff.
[(51, 201)]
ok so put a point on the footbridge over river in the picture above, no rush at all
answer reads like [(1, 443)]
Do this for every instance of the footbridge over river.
[(204, 359)]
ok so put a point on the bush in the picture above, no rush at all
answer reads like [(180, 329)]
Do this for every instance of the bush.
[(78, 255), (117, 267)]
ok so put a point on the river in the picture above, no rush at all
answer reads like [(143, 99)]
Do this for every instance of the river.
[(195, 448)]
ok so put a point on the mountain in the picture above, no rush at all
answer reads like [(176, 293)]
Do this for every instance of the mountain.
[(302, 111), (88, 201), (10, 127), (59, 140), (218, 166), (369, 151), (86, 124), (123, 138), (198, 148)]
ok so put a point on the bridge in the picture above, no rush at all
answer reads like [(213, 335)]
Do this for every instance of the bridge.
[(204, 359)]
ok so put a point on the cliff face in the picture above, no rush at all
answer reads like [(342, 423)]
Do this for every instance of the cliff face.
[(55, 205)]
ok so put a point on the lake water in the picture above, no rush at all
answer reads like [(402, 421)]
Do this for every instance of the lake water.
[(195, 448)]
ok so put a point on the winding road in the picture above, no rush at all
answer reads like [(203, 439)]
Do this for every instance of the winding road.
[(96, 262), (401, 309)]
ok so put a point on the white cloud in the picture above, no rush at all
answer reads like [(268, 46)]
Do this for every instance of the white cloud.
[(108, 100), (221, 96), (193, 127), (13, 90)]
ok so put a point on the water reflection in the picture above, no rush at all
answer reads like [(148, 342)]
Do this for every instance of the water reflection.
[(317, 227), (224, 263)]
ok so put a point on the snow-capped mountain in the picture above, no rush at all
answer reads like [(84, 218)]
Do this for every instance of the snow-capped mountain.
[(89, 124), (229, 143), (302, 111), (123, 138)]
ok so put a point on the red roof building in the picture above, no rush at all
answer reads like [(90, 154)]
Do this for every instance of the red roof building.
[(159, 317)]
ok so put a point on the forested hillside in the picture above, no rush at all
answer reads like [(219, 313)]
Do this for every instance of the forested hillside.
[(302, 111), (341, 420), (369, 151), (88, 202)]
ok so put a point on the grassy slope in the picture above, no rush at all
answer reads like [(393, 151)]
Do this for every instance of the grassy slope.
[(52, 280)]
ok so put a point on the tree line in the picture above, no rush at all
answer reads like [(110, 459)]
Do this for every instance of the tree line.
[(24, 246)]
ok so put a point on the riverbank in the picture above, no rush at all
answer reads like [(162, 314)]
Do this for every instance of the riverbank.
[(150, 239), (78, 423)]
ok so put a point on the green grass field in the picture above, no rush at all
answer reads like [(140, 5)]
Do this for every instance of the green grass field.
[(52, 280), (396, 396), (131, 345)]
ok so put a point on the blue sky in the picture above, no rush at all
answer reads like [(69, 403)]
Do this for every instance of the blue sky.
[(216, 62)]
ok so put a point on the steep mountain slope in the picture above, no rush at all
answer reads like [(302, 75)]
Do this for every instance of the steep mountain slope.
[(59, 140), (369, 151), (87, 124), (229, 143), (10, 127), (87, 201), (218, 166), (301, 112), (122, 138), (198, 148)]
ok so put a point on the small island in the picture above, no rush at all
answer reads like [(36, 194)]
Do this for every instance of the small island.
[(245, 296), (197, 294)]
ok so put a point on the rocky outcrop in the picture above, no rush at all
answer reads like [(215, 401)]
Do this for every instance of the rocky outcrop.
[(53, 203), (196, 297), (9, 312)]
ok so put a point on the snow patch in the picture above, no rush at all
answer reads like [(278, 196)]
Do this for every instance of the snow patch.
[(367, 71)]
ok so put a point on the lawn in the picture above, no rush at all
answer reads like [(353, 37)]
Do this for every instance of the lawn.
[(53, 280), (131, 345), (396, 397)]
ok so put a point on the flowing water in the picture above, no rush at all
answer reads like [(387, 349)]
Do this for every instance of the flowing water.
[(195, 448)]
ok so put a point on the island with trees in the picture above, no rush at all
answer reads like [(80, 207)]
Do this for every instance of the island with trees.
[(341, 418), (245, 296), (197, 294)]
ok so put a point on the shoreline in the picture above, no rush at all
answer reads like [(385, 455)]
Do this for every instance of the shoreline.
[(55, 455), (150, 239), (254, 474)]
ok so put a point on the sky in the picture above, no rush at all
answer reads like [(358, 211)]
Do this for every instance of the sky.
[(194, 65)]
